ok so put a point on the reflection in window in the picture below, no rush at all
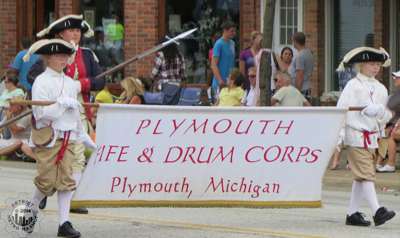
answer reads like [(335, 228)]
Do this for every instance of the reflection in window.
[(207, 16), (288, 20), (106, 19)]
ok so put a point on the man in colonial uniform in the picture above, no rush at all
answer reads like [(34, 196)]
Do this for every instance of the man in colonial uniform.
[(60, 124), (83, 69), (363, 129)]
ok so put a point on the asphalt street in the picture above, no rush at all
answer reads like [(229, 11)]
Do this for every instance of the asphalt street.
[(327, 221)]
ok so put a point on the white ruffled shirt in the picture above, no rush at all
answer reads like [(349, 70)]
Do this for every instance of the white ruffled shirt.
[(49, 86), (359, 92)]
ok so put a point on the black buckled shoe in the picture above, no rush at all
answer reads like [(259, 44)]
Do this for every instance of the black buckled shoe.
[(79, 210), (357, 219), (42, 204), (66, 230), (383, 215)]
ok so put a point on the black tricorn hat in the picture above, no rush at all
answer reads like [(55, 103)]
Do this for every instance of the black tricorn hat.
[(66, 22), (365, 54), (50, 47)]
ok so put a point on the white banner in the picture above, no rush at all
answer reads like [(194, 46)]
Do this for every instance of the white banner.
[(209, 156)]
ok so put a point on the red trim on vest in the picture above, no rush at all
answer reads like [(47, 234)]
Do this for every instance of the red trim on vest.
[(83, 79)]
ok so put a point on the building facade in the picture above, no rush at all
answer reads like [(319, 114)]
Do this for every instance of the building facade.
[(332, 27)]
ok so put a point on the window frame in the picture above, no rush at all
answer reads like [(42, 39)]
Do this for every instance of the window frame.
[(276, 43)]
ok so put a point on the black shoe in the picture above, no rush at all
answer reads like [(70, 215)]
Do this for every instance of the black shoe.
[(357, 219), (79, 210), (42, 204), (66, 230), (383, 215)]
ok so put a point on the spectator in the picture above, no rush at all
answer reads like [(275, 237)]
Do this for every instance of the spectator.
[(20, 131), (115, 35), (100, 49), (303, 64), (223, 57), (247, 57), (11, 88), (22, 67), (283, 63), (287, 95), (104, 96), (233, 94), (169, 72), (393, 128), (133, 91), (169, 66), (252, 97)]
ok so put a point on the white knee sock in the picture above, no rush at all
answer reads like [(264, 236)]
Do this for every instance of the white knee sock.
[(355, 199), (370, 195), (37, 197), (77, 178), (64, 204)]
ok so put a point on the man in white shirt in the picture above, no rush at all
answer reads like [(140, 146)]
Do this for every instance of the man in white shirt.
[(252, 97), (362, 130)]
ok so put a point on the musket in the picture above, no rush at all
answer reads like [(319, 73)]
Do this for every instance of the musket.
[(16, 118), (147, 52)]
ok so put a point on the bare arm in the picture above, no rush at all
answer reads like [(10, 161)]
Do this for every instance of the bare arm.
[(274, 102), (306, 104), (242, 67), (215, 70), (299, 79)]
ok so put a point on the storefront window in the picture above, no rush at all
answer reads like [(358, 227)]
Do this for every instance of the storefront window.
[(207, 16), (354, 27), (106, 19)]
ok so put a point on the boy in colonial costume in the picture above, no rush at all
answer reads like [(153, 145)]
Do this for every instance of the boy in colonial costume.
[(363, 129), (60, 124), (83, 69)]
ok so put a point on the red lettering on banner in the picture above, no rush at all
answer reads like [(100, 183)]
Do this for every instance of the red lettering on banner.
[(246, 131), (110, 151), (99, 153), (314, 155), (277, 153), (143, 124), (190, 150), (266, 122), (228, 126), (304, 151), (266, 155), (280, 126), (196, 156), (155, 131), (291, 148), (223, 185), (122, 152), (181, 186), (115, 182), (176, 126), (248, 152), (167, 160), (195, 129)]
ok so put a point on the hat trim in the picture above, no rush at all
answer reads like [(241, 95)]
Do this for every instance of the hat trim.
[(47, 30)]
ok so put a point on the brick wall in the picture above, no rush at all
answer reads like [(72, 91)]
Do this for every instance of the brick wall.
[(249, 20), (141, 33), (8, 33), (313, 11)]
